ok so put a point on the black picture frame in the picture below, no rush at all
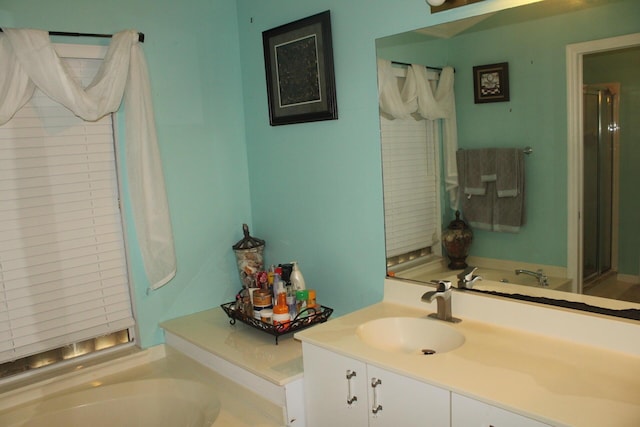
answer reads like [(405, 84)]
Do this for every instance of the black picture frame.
[(298, 59), (491, 83)]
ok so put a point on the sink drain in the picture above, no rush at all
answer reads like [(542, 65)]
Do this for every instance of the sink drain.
[(428, 351)]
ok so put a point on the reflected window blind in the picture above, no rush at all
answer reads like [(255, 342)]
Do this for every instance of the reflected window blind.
[(411, 201), (63, 273)]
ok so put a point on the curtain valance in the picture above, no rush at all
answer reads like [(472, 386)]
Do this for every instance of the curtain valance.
[(418, 97), (28, 59)]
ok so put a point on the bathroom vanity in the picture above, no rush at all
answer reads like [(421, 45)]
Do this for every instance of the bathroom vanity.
[(519, 365), (385, 398), (505, 364)]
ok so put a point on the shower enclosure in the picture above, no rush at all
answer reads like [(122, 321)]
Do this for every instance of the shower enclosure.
[(599, 129)]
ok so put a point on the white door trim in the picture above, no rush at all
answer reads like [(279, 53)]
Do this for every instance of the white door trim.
[(575, 53)]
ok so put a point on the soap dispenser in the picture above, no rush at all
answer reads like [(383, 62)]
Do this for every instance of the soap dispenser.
[(296, 277)]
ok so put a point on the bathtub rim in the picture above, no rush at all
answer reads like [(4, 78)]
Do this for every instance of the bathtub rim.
[(21, 391), (195, 393), (436, 268)]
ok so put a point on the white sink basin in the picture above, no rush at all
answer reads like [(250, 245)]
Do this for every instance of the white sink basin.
[(410, 335)]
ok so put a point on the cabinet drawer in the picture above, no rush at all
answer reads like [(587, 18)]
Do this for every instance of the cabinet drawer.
[(467, 412)]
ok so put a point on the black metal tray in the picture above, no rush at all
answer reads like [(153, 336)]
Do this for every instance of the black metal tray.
[(303, 320)]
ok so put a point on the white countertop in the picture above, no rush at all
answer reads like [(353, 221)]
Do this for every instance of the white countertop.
[(242, 345), (549, 379)]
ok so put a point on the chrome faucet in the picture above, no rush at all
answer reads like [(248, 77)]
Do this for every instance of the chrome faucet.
[(466, 278), (442, 295), (543, 280)]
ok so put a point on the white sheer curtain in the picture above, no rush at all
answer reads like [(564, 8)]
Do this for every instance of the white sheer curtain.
[(418, 97), (28, 59)]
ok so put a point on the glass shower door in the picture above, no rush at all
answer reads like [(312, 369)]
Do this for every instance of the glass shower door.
[(598, 181)]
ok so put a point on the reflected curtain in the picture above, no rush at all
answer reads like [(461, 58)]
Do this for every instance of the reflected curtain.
[(418, 97), (28, 59)]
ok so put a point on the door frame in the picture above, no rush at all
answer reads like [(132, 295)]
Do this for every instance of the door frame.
[(575, 156)]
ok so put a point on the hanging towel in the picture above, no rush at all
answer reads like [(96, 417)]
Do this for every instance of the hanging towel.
[(487, 159), (477, 208), (474, 164), (509, 171), (509, 213), (509, 203), (492, 190)]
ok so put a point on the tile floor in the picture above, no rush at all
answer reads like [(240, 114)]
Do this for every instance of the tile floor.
[(607, 286)]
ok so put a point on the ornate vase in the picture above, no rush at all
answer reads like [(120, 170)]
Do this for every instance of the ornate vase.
[(249, 257), (456, 239)]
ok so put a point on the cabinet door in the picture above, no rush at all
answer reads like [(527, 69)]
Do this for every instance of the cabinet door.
[(401, 401), (330, 382), (466, 412)]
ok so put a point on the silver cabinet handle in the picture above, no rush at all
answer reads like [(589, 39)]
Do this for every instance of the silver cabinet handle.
[(376, 407), (350, 398)]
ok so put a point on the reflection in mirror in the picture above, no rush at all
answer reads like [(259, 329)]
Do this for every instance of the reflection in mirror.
[(532, 39)]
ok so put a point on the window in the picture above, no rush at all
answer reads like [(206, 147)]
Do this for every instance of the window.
[(63, 272), (411, 187)]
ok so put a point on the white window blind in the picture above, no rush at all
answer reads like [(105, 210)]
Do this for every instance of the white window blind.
[(410, 175), (63, 273)]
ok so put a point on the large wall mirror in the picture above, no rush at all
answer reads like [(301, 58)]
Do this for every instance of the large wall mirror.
[(602, 258)]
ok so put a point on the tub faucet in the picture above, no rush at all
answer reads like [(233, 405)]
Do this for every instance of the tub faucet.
[(543, 280), (442, 295), (466, 278)]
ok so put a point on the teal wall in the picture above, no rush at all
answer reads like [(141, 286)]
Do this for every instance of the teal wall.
[(534, 116), (313, 191), (622, 67)]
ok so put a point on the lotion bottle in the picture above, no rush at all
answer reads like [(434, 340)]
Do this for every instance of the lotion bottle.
[(296, 277), (281, 317)]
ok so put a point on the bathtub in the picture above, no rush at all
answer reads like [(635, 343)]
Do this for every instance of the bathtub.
[(165, 402), (510, 276), (491, 271), (158, 387)]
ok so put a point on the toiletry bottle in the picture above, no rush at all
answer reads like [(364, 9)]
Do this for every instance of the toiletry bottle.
[(286, 272), (270, 277), (281, 316), (312, 305), (301, 302), (266, 315), (297, 280), (291, 301), (261, 301), (276, 282), (247, 307), (262, 279)]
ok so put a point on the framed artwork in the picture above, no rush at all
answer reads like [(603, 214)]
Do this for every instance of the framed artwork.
[(451, 4), (298, 60), (491, 83)]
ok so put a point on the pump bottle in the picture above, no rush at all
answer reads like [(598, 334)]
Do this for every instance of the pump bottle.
[(297, 280)]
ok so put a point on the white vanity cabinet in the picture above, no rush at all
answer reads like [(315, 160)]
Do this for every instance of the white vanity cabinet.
[(377, 397), (466, 412)]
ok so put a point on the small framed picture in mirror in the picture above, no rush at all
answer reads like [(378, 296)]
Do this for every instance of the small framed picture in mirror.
[(491, 83)]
